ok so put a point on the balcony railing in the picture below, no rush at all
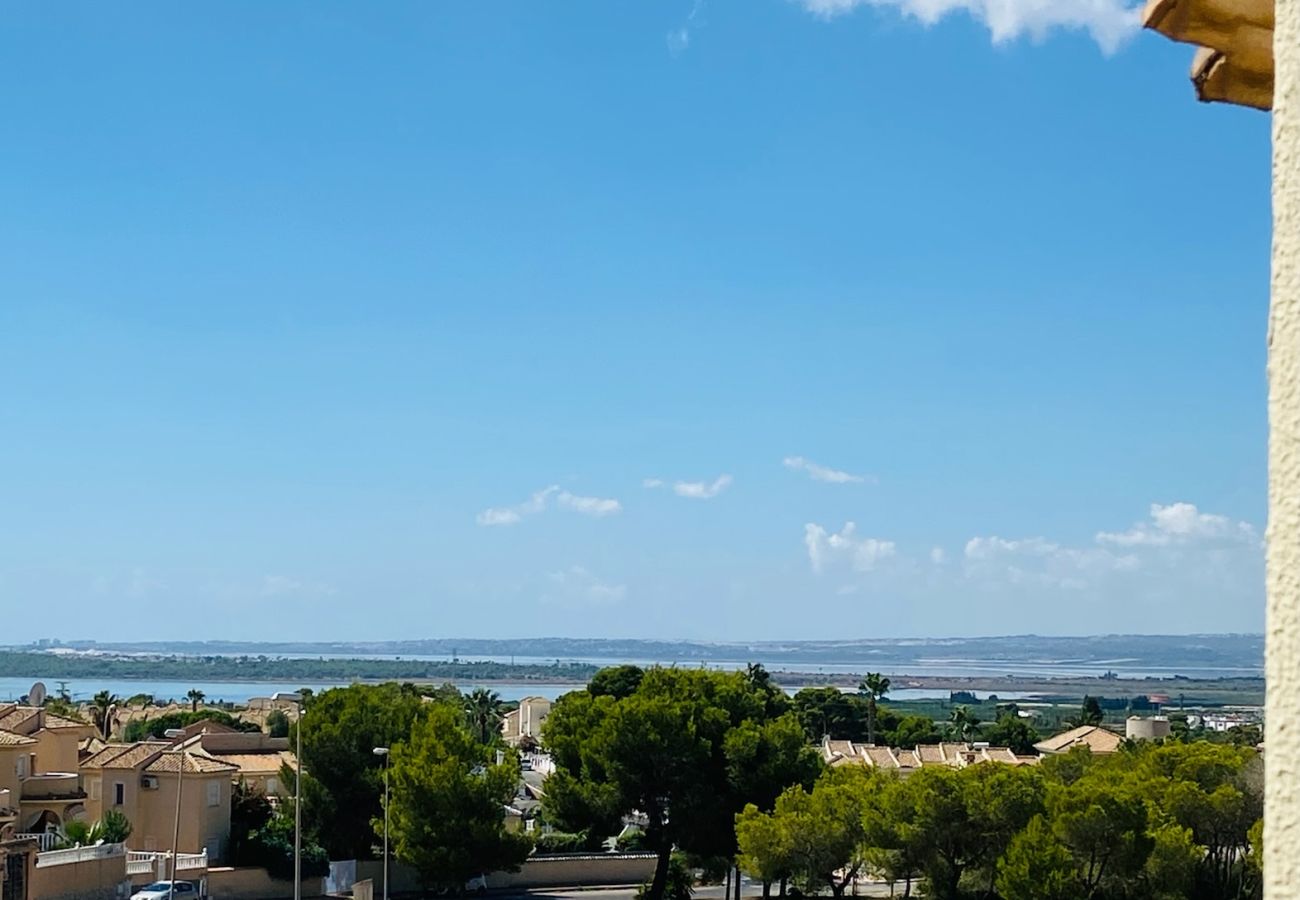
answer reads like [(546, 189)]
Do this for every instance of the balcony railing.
[(45, 840), (52, 786)]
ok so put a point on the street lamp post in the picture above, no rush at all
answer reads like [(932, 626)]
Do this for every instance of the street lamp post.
[(174, 734), (384, 752), (296, 699)]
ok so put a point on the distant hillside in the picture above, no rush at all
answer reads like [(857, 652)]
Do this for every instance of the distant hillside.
[(1229, 651)]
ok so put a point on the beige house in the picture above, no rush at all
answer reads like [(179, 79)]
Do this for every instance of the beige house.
[(141, 780), (1094, 737), (38, 768), (526, 721), (950, 754), (257, 758)]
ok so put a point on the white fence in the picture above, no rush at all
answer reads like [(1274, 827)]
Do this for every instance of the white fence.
[(146, 862), (78, 854)]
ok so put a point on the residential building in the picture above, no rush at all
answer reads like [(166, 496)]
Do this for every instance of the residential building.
[(1094, 737), (38, 768), (257, 757), (141, 780), (526, 721), (903, 760), (1151, 728)]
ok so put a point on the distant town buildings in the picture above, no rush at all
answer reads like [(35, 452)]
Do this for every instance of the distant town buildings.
[(526, 721)]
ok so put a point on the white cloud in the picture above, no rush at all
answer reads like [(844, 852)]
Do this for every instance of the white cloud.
[(652, 483), (577, 588), (862, 554), (1178, 567), (1180, 523), (701, 490), (1110, 22), (821, 473), (589, 506), (539, 501), (679, 39)]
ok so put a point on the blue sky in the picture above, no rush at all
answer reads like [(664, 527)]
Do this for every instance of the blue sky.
[(330, 320)]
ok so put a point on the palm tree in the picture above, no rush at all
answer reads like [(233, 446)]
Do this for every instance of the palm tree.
[(103, 710), (965, 724), (874, 687), (195, 697), (483, 708)]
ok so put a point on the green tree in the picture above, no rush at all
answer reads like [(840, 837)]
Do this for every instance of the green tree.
[(1170, 870), (250, 811), (616, 681), (660, 751), (447, 816), (195, 696), (765, 758), (1103, 823), (483, 711), (913, 731), (817, 837), (1014, 732), (103, 710), (1000, 801), (940, 832), (873, 689), (965, 724), (766, 846), (342, 781), (156, 728), (1037, 866), (277, 723), (829, 712), (113, 827), (1090, 713)]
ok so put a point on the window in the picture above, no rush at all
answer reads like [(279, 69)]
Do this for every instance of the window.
[(272, 785), (119, 793), (22, 765), (214, 793), (95, 787)]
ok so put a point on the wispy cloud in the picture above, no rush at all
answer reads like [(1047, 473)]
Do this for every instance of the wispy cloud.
[(823, 473), (679, 39), (577, 588), (1110, 22), (596, 507), (702, 490), (588, 506), (1177, 552), (652, 483)]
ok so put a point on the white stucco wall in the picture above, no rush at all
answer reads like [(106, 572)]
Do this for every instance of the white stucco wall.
[(1282, 742)]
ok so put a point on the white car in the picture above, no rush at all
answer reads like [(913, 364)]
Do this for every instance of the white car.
[(162, 890)]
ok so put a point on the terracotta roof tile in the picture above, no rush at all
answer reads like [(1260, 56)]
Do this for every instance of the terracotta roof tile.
[(9, 739), (195, 764), (15, 717), (256, 763), (930, 753), (1094, 737), (56, 721), (124, 756)]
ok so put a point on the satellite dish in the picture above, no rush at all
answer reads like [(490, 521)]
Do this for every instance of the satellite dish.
[(36, 696)]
